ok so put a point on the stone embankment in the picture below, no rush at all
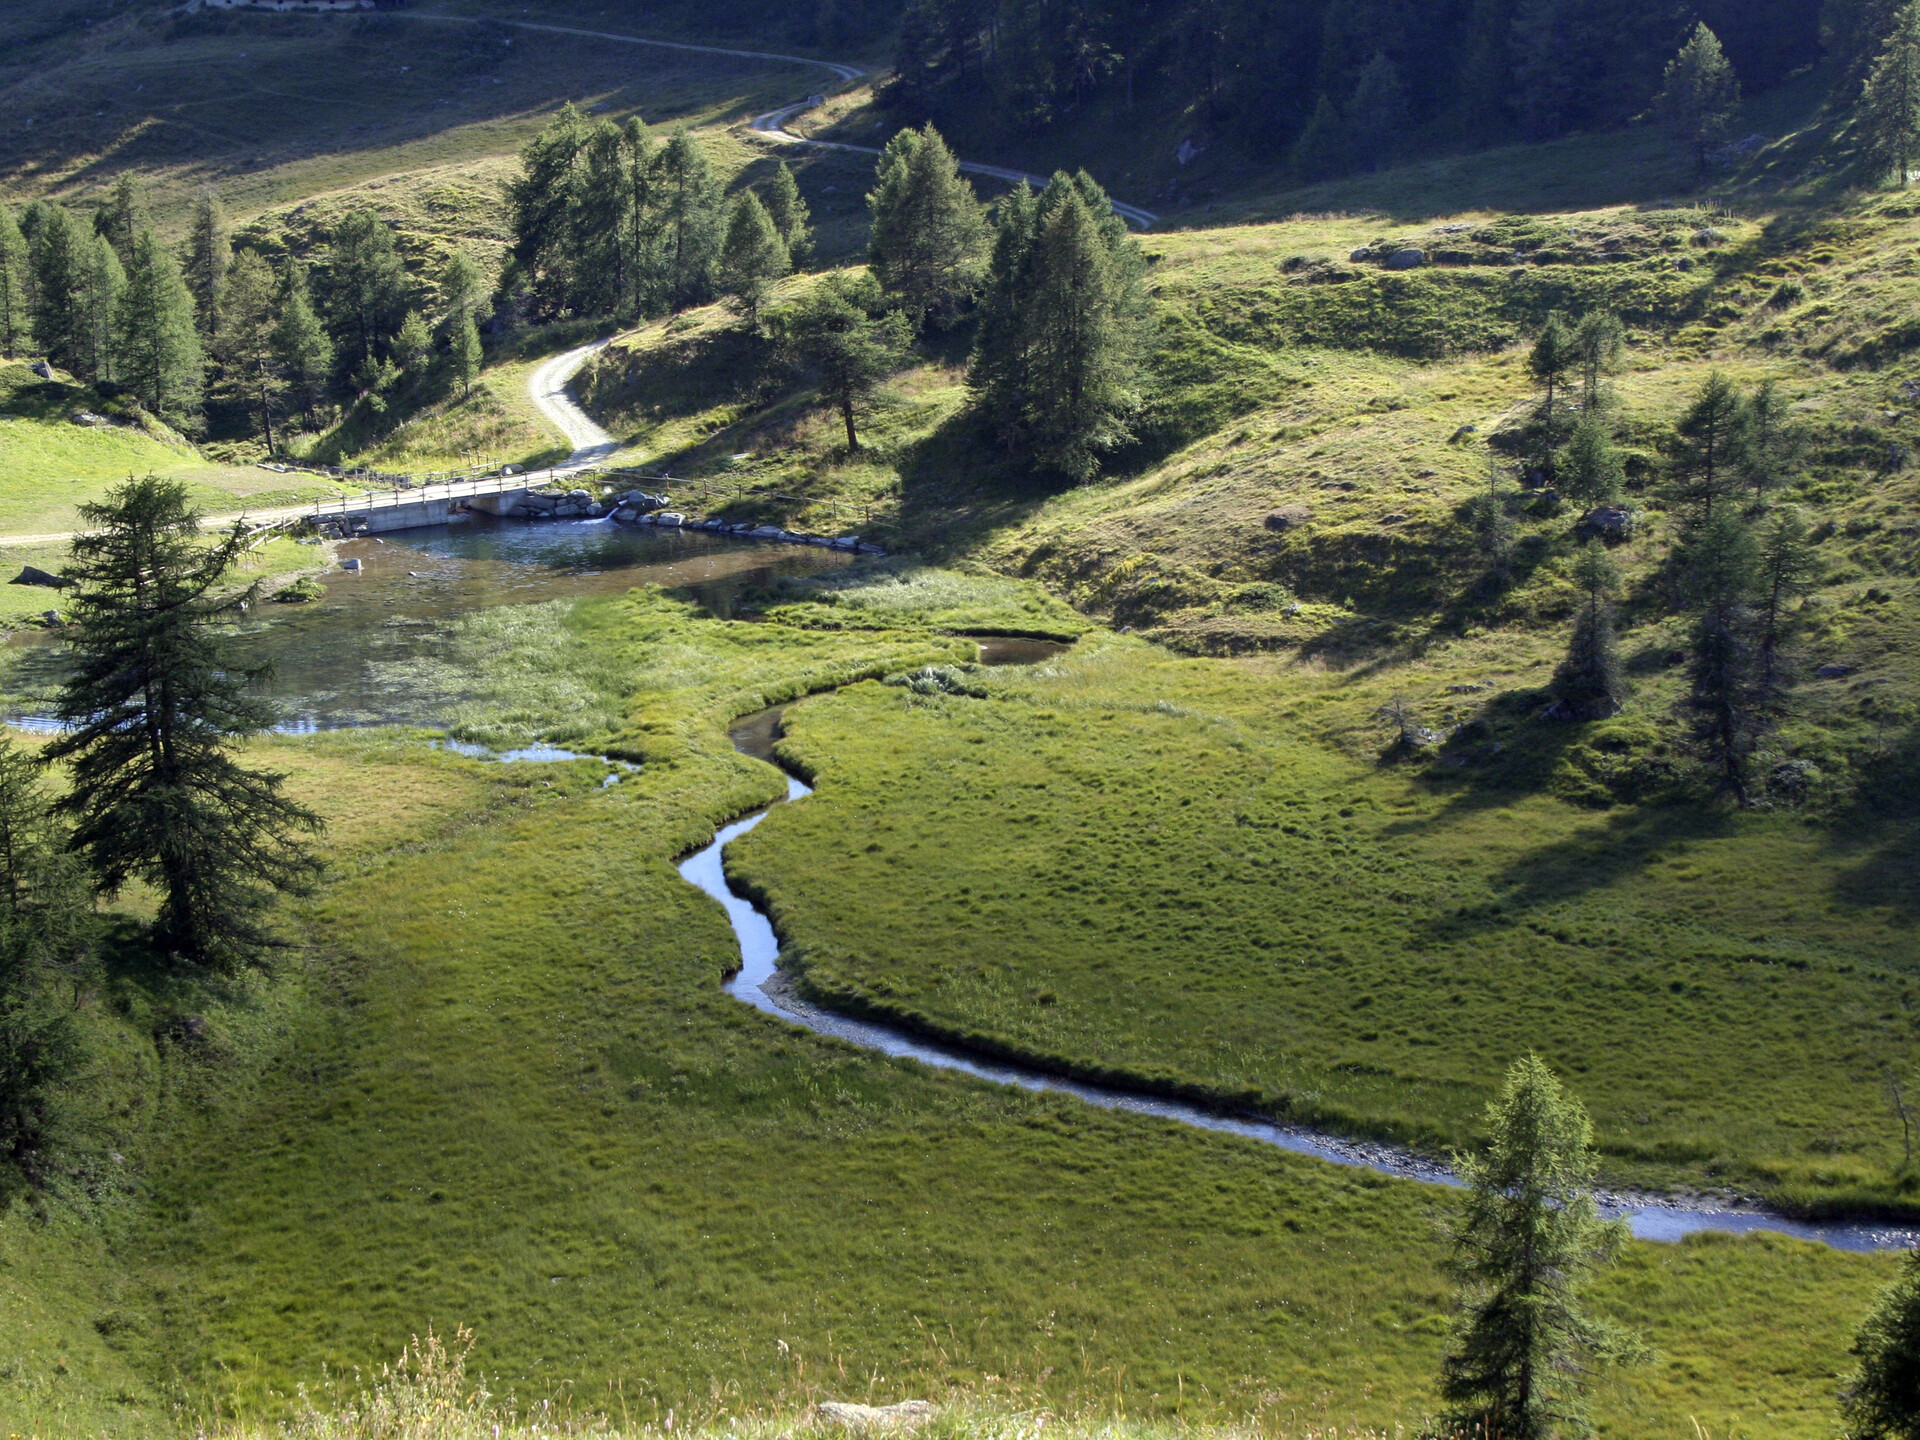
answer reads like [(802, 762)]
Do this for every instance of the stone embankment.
[(639, 507)]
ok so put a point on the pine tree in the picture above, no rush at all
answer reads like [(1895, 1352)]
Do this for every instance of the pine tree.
[(1785, 566), (250, 316), (540, 209), (366, 288), (690, 219), (1599, 346), (61, 252), (105, 283), (1377, 113), (1721, 561), (1527, 1243), (1591, 471), (413, 342), (124, 216), (929, 232), (463, 291), (1001, 365), (209, 255), (14, 309), (1708, 448), (1881, 1400), (468, 356), (1698, 97), (597, 224), (837, 332), (1588, 685), (790, 215), (1322, 150), (159, 349), (1551, 362), (301, 349), (1083, 357), (1889, 107), (46, 930), (153, 708), (1768, 444), (752, 258)]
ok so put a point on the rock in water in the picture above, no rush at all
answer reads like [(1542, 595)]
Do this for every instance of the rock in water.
[(907, 1415)]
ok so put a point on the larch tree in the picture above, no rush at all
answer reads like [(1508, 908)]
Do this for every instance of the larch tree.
[(1588, 685), (469, 356), (248, 358), (366, 288), (61, 253), (159, 347), (1721, 563), (120, 221), (1599, 343), (1377, 114), (15, 316), (1785, 566), (1698, 96), (1590, 469), (791, 218), (1709, 447), (152, 711), (1322, 150), (840, 331), (1888, 112), (690, 220), (413, 342), (1526, 1244), (752, 258), (929, 235), (1769, 445), (106, 281), (209, 256), (1552, 363), (302, 350)]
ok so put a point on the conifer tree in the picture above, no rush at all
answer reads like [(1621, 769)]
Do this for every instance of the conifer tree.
[(752, 258), (929, 232), (540, 207), (1768, 445), (1721, 561), (209, 255), (366, 288), (838, 331), (1881, 1400), (105, 282), (1708, 448), (302, 351), (154, 335), (642, 218), (999, 371), (468, 356), (1785, 565), (413, 342), (1527, 1243), (250, 318), (62, 251), (790, 215), (152, 711), (1591, 471), (1889, 106), (124, 216), (1552, 362), (1599, 346), (46, 930), (1321, 152), (689, 219), (14, 309), (597, 224), (1377, 113), (1082, 356), (463, 291), (1698, 97), (1588, 685)]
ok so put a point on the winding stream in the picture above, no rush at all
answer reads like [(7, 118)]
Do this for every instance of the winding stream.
[(761, 984)]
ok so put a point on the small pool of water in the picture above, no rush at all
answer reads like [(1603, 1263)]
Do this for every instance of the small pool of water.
[(415, 585), (1014, 650)]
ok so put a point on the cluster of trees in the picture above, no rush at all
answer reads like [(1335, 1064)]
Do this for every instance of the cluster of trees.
[(1741, 561), (151, 714), (1053, 280), (104, 299), (609, 221), (1342, 78)]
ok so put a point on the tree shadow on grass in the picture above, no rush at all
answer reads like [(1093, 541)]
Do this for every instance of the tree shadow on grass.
[(1882, 830), (957, 487)]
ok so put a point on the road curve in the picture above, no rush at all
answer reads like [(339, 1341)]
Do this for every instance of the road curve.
[(548, 387)]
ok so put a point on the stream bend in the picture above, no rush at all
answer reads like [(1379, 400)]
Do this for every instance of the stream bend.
[(761, 984)]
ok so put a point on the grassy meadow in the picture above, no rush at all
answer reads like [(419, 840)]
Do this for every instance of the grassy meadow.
[(497, 1084)]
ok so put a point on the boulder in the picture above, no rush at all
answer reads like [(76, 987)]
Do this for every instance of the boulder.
[(352, 566), (670, 518), (1834, 672), (1608, 522), (767, 532), (907, 1415), (89, 419), (42, 369), (33, 575), (1361, 256), (1288, 517), (1406, 259), (846, 542), (52, 617)]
